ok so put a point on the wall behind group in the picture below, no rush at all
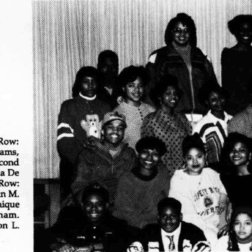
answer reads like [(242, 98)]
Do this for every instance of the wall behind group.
[(70, 34)]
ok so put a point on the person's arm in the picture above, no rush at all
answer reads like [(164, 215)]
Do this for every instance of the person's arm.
[(68, 146), (181, 192), (210, 72), (225, 70), (83, 176), (147, 127)]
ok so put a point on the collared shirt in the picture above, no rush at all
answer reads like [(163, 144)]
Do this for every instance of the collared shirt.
[(166, 240)]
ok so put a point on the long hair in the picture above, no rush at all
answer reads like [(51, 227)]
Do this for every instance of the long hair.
[(245, 208)]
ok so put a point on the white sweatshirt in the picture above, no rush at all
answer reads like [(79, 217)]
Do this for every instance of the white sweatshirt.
[(200, 197)]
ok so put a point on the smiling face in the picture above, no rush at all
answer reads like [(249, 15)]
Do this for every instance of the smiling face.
[(134, 91), (181, 34), (94, 207), (216, 102), (240, 155), (114, 132), (89, 86), (195, 161), (148, 158), (244, 34), (170, 97), (169, 219), (243, 227)]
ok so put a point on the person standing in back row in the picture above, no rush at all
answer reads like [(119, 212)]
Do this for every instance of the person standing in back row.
[(183, 59)]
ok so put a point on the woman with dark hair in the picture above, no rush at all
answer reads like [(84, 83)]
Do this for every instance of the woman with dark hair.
[(181, 58), (237, 178), (132, 81), (79, 119), (239, 236), (166, 124), (237, 65)]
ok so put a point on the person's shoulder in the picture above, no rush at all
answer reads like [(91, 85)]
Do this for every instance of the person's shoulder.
[(151, 116), (128, 151), (178, 176), (191, 228), (69, 102), (159, 50), (210, 172), (148, 107), (226, 51), (103, 104), (151, 228)]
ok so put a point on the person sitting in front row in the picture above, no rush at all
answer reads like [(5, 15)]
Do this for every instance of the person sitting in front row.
[(140, 189), (172, 233), (90, 227), (107, 160)]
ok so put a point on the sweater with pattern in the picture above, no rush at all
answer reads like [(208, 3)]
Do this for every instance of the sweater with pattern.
[(171, 130)]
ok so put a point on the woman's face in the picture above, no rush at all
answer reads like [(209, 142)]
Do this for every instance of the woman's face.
[(195, 161), (134, 90), (149, 158), (240, 154), (181, 34), (244, 34), (243, 227), (89, 86), (216, 102), (170, 97)]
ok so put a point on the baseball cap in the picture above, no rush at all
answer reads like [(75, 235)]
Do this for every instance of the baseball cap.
[(114, 115)]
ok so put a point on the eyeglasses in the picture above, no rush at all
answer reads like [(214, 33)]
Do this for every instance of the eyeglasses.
[(179, 30)]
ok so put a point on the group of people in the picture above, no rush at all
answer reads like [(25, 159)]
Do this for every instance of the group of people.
[(136, 173)]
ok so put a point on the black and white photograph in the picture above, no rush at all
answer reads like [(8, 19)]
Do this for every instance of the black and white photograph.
[(126, 126)]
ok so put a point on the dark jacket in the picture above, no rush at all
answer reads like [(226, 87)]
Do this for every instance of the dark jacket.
[(73, 228), (97, 165), (188, 232), (168, 61)]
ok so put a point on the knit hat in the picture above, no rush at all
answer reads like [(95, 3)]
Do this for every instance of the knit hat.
[(193, 141), (151, 143), (114, 115)]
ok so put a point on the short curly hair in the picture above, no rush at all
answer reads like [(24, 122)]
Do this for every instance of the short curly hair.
[(167, 81), (186, 20), (130, 74), (234, 24)]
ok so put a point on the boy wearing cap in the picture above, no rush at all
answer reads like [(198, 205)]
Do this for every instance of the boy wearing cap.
[(107, 160), (140, 189)]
